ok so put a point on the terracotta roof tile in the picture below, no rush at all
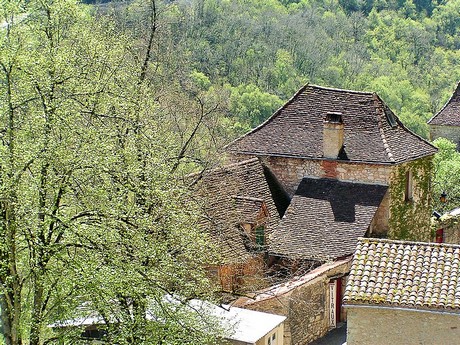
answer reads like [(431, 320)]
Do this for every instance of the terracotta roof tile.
[(449, 115), (325, 219), (372, 133), (405, 274), (233, 195)]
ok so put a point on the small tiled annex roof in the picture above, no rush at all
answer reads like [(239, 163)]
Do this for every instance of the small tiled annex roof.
[(230, 196), (449, 115), (372, 133), (325, 219), (403, 274)]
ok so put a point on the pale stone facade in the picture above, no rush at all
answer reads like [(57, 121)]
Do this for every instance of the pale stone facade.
[(290, 171), (379, 326)]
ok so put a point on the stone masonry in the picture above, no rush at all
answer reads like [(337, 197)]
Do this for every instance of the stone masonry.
[(304, 301), (408, 327)]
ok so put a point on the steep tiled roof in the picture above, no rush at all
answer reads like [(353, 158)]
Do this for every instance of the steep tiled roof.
[(405, 274), (233, 195), (372, 133), (449, 115), (325, 219)]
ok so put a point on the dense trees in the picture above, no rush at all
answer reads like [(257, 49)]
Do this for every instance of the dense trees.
[(263, 51)]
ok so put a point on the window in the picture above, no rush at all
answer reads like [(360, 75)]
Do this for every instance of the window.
[(408, 188), (260, 236), (271, 340)]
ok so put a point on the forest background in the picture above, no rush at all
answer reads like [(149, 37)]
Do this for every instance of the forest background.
[(260, 52)]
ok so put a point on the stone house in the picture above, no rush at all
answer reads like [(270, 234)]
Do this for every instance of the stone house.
[(411, 288), (239, 213), (446, 123), (447, 227), (353, 137), (310, 301)]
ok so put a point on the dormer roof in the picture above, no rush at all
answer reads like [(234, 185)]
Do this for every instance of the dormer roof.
[(449, 115), (372, 133), (325, 219)]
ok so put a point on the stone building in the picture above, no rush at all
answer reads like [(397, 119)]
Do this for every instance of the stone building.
[(353, 137), (403, 293), (446, 123), (447, 227), (239, 213)]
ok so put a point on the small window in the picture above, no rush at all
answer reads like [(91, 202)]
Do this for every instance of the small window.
[(390, 117), (260, 236), (409, 187), (334, 118)]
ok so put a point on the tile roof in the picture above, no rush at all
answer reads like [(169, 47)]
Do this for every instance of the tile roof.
[(372, 133), (449, 115), (233, 195), (325, 219), (405, 274)]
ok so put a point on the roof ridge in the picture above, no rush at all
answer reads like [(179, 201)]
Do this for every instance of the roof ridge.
[(404, 128), (378, 109), (341, 90), (426, 244), (457, 90), (228, 167)]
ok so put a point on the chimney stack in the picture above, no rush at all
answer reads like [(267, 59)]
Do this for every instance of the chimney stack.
[(332, 135)]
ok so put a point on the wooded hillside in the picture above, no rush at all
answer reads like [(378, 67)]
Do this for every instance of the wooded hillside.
[(259, 52)]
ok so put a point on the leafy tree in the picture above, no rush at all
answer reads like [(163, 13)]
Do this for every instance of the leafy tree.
[(446, 174), (90, 211)]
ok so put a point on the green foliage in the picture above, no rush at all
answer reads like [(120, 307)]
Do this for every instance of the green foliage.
[(410, 219), (405, 50), (446, 177), (92, 208), (249, 103)]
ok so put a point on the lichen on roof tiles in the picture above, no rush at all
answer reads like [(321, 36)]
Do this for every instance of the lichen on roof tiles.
[(413, 275)]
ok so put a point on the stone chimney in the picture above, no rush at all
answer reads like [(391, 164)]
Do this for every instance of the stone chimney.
[(332, 135)]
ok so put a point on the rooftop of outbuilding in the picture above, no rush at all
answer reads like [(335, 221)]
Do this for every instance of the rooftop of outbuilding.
[(412, 275), (325, 219), (233, 195)]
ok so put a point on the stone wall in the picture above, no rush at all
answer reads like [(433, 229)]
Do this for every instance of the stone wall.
[(410, 218), (242, 277), (379, 225), (290, 171), (403, 219), (303, 300), (450, 132), (400, 327), (451, 228)]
